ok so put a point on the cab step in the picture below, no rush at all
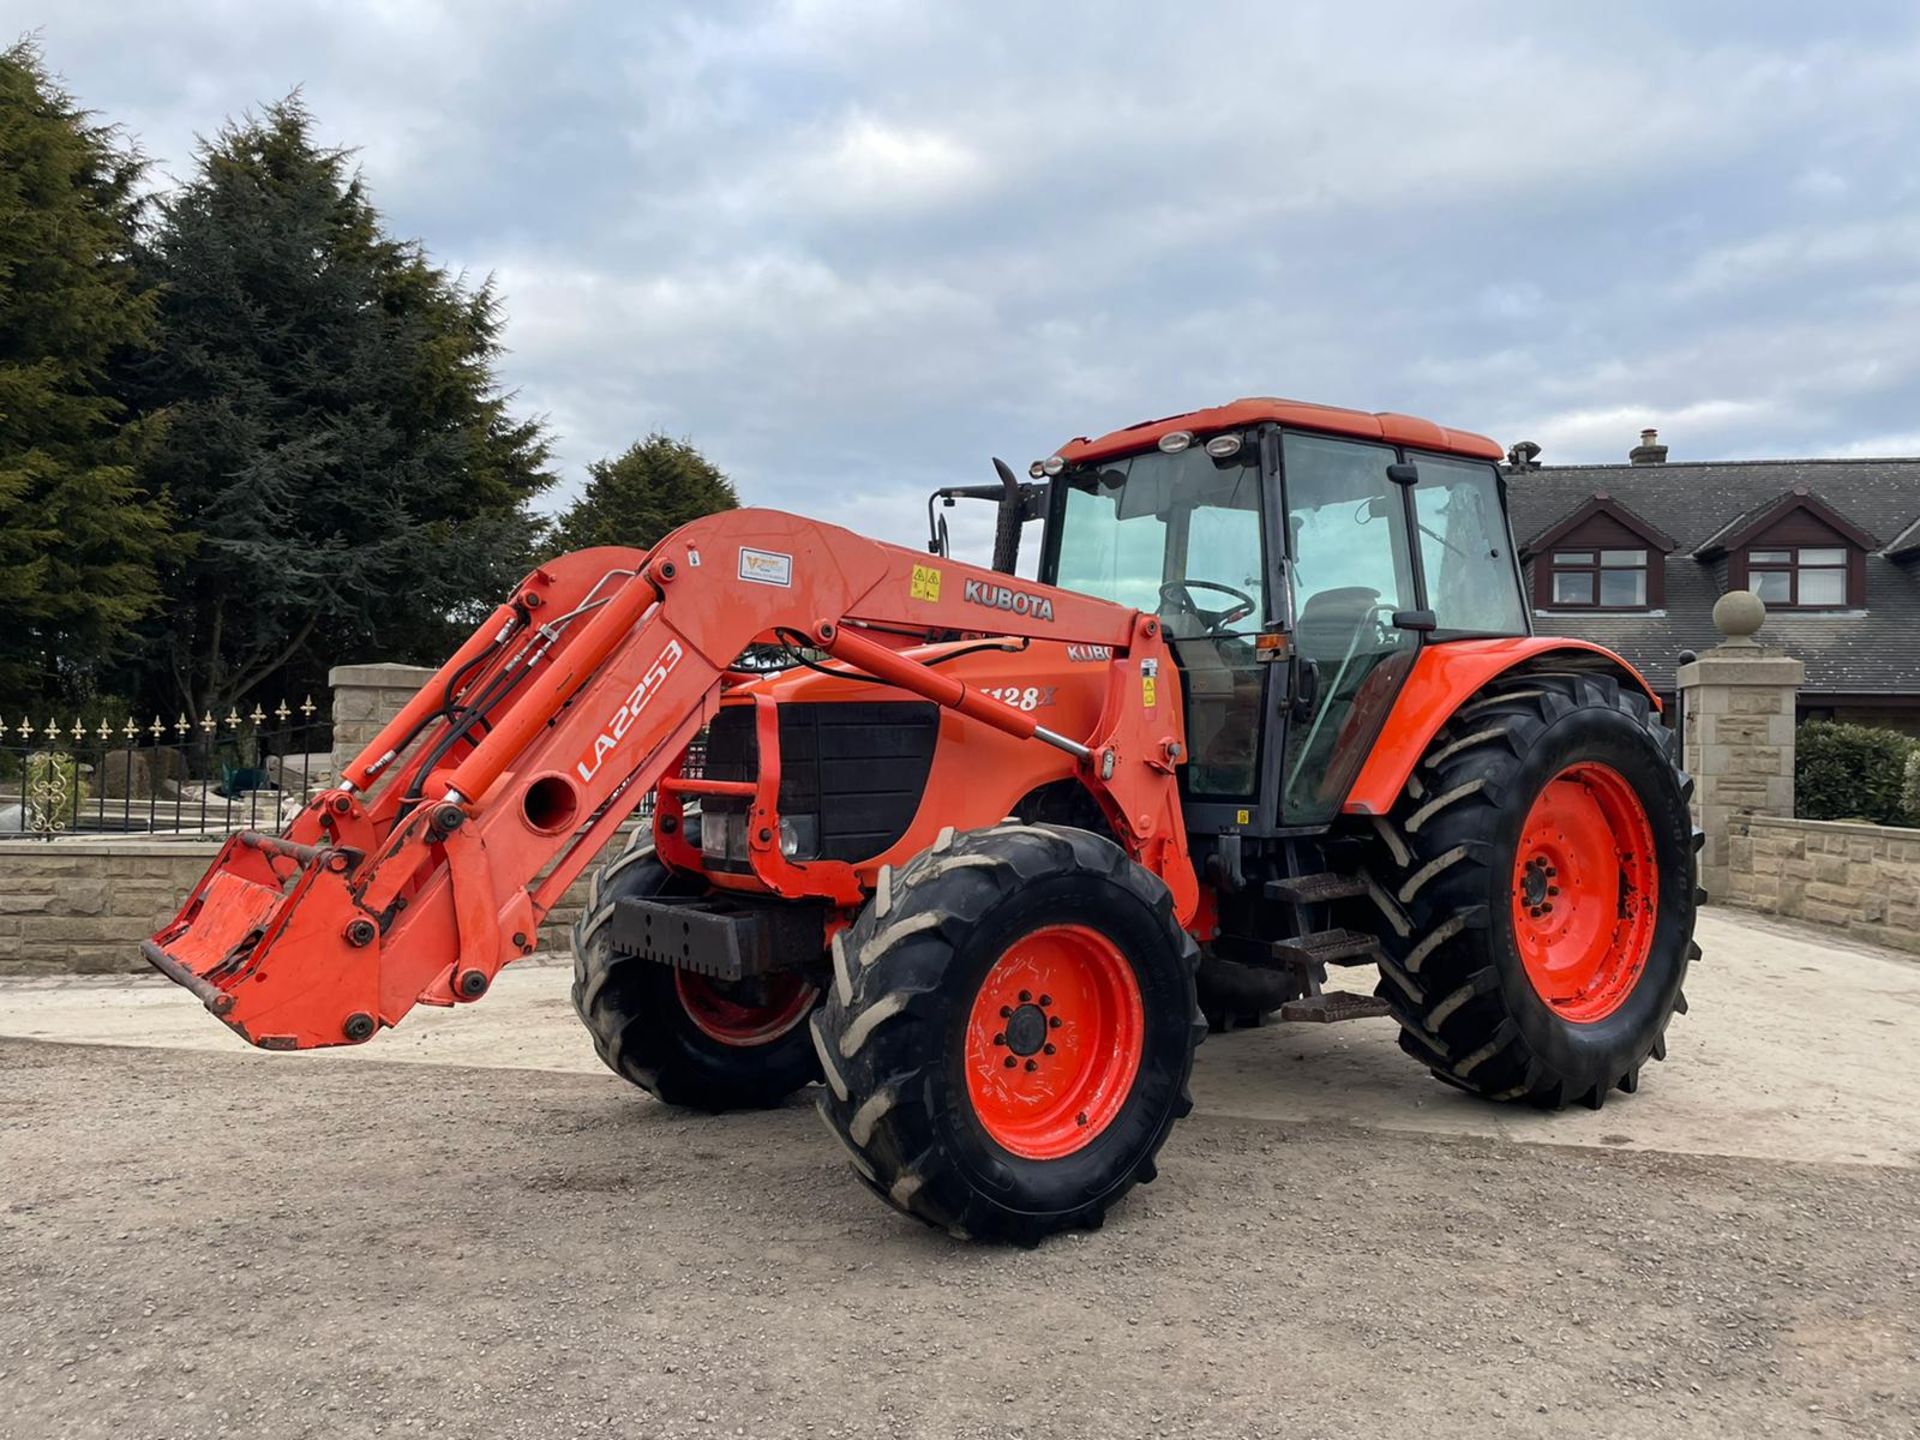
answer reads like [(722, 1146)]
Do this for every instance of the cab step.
[(1313, 889), (1328, 947), (1331, 1005)]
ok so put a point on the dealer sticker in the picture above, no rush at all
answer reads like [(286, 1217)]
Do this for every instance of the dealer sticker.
[(766, 567)]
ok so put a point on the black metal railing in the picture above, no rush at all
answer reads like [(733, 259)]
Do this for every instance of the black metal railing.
[(120, 777)]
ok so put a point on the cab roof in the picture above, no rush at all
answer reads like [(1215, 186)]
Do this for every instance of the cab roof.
[(1330, 419)]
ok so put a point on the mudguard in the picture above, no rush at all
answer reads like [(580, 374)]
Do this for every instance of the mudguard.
[(1443, 677)]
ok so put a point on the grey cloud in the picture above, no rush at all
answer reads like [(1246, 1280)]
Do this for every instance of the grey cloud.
[(852, 249)]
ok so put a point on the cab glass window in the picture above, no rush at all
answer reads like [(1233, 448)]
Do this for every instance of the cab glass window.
[(1472, 585), (1178, 536), (1352, 568)]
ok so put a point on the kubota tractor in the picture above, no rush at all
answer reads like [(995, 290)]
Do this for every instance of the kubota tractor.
[(987, 855)]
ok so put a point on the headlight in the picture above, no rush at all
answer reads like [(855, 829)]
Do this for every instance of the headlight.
[(799, 836), (723, 837)]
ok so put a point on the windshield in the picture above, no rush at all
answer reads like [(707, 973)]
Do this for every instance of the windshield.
[(1177, 535)]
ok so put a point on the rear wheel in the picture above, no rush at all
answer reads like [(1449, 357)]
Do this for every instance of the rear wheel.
[(1544, 858), (684, 1038), (1010, 1031)]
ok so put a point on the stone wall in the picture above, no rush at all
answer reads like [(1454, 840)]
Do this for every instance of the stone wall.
[(1860, 879), (84, 906), (78, 906)]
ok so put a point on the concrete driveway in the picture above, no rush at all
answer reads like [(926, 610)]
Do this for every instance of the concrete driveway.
[(493, 1237), (1797, 1047)]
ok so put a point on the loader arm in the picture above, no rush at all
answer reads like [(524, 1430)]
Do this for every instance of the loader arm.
[(447, 840)]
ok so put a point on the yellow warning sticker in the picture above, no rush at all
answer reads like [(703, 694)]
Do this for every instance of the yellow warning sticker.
[(926, 583), (1146, 691), (1243, 817)]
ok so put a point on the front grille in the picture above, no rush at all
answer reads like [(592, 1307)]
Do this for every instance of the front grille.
[(861, 767)]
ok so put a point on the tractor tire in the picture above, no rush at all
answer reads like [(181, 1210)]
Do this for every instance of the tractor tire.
[(1010, 1031), (684, 1039), (1544, 862)]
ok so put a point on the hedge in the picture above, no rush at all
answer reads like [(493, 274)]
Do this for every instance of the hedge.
[(1851, 772)]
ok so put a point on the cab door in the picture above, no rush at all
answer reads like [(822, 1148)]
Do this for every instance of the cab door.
[(1350, 568)]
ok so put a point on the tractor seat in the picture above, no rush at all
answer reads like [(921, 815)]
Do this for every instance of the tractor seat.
[(1331, 619)]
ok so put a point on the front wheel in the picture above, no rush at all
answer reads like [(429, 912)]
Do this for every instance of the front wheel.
[(683, 1038), (1544, 857), (1010, 1032)]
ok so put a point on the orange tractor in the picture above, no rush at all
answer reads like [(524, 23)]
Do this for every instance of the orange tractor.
[(984, 856)]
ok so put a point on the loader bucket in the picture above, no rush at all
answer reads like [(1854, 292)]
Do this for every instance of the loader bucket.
[(262, 895)]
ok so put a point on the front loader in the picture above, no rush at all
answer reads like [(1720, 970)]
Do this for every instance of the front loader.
[(984, 857)]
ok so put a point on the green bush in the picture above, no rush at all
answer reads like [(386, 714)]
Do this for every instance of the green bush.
[(1851, 772)]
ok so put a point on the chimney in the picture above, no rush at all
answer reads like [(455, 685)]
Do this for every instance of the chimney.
[(1649, 451)]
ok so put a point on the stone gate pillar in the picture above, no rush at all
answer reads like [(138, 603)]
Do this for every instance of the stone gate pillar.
[(1737, 703), (365, 697)]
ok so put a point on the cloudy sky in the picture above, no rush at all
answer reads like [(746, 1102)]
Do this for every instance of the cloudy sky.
[(852, 249)]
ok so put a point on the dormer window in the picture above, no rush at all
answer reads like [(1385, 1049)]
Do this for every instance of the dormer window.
[(1800, 577), (1599, 579), (1796, 553), (1600, 556)]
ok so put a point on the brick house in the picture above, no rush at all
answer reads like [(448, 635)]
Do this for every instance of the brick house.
[(1633, 556)]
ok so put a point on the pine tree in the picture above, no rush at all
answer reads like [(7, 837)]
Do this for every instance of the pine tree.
[(636, 497), (341, 456), (79, 532)]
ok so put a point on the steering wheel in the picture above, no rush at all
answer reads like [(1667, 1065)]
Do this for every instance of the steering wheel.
[(1179, 592)]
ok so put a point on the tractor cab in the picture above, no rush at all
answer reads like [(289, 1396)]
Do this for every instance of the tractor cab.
[(1296, 574)]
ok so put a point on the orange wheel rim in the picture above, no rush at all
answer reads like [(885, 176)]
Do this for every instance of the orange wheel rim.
[(1054, 1041), (734, 1020), (1586, 892)]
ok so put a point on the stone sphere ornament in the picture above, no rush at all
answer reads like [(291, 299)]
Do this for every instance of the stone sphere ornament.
[(1738, 615)]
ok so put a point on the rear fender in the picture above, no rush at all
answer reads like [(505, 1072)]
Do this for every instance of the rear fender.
[(1443, 678)]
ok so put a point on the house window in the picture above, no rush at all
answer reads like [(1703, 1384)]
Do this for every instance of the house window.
[(1600, 579), (1803, 577)]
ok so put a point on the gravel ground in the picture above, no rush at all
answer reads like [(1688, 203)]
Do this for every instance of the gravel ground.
[(193, 1245)]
